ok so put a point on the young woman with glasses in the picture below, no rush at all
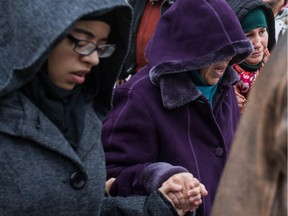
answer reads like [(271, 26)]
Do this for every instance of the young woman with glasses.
[(57, 75)]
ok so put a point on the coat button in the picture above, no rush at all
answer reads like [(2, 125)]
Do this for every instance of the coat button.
[(219, 151), (77, 180)]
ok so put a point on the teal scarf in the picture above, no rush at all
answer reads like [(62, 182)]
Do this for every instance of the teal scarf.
[(208, 91), (251, 68)]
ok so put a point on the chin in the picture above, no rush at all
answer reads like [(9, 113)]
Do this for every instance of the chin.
[(67, 87), (254, 61), (211, 83)]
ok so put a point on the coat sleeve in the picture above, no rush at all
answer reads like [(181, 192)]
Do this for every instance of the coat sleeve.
[(153, 205), (131, 145)]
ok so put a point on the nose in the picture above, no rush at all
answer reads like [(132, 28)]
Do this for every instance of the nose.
[(92, 59), (256, 41)]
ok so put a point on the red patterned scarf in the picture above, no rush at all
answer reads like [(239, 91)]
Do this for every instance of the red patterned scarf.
[(247, 78)]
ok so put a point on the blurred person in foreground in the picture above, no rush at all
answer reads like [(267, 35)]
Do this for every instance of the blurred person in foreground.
[(254, 181)]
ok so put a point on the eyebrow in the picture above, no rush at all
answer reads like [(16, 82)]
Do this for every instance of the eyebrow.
[(88, 33)]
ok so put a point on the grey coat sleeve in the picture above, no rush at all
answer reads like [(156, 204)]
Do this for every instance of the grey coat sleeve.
[(152, 205)]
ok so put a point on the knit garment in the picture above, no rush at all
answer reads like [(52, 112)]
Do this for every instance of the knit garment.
[(248, 78)]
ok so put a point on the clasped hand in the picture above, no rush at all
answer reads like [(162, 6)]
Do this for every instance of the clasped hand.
[(184, 192)]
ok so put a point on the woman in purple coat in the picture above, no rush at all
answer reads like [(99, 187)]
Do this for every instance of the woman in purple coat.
[(179, 113)]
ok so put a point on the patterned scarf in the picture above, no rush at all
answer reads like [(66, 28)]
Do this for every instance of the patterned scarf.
[(247, 78)]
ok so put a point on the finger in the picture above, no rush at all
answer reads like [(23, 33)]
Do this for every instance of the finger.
[(108, 184), (204, 192), (195, 198), (183, 201), (187, 181), (195, 192), (171, 186), (195, 183), (174, 200), (198, 203)]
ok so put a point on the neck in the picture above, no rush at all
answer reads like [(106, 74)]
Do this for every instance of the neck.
[(251, 68)]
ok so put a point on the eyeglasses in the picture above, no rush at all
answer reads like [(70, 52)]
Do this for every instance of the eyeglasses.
[(86, 48)]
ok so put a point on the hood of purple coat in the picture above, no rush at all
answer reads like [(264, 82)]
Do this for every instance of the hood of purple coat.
[(194, 34)]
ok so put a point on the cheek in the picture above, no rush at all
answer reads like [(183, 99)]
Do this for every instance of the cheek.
[(58, 67), (59, 61), (54, 64), (53, 69), (264, 42), (264, 39), (208, 77), (60, 55)]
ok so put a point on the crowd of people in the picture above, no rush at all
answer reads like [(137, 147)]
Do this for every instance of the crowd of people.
[(141, 107)]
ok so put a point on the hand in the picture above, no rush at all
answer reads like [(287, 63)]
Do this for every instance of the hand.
[(195, 194), (184, 192), (191, 194), (166, 189), (241, 100), (108, 185), (120, 82)]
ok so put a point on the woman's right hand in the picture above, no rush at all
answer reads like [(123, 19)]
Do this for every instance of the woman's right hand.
[(184, 192)]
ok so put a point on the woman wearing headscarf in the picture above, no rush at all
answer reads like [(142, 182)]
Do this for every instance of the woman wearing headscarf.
[(257, 21), (179, 113)]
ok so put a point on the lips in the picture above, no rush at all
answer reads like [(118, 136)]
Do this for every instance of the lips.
[(80, 73), (78, 77), (219, 71), (258, 53)]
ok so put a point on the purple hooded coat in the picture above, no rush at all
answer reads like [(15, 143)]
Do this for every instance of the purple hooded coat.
[(161, 124)]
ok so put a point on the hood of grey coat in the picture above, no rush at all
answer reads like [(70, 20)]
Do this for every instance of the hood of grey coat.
[(29, 28)]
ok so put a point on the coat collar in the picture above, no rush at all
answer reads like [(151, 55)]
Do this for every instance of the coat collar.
[(177, 89), (30, 124)]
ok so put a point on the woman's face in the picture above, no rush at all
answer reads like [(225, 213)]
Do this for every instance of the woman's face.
[(259, 39), (212, 74), (66, 68)]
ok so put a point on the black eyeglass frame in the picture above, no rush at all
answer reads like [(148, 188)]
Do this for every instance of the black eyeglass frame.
[(97, 48)]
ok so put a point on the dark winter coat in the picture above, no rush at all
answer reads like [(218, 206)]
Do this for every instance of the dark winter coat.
[(161, 124), (138, 9), (40, 173)]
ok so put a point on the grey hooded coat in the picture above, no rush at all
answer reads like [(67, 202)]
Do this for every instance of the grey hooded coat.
[(40, 173)]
